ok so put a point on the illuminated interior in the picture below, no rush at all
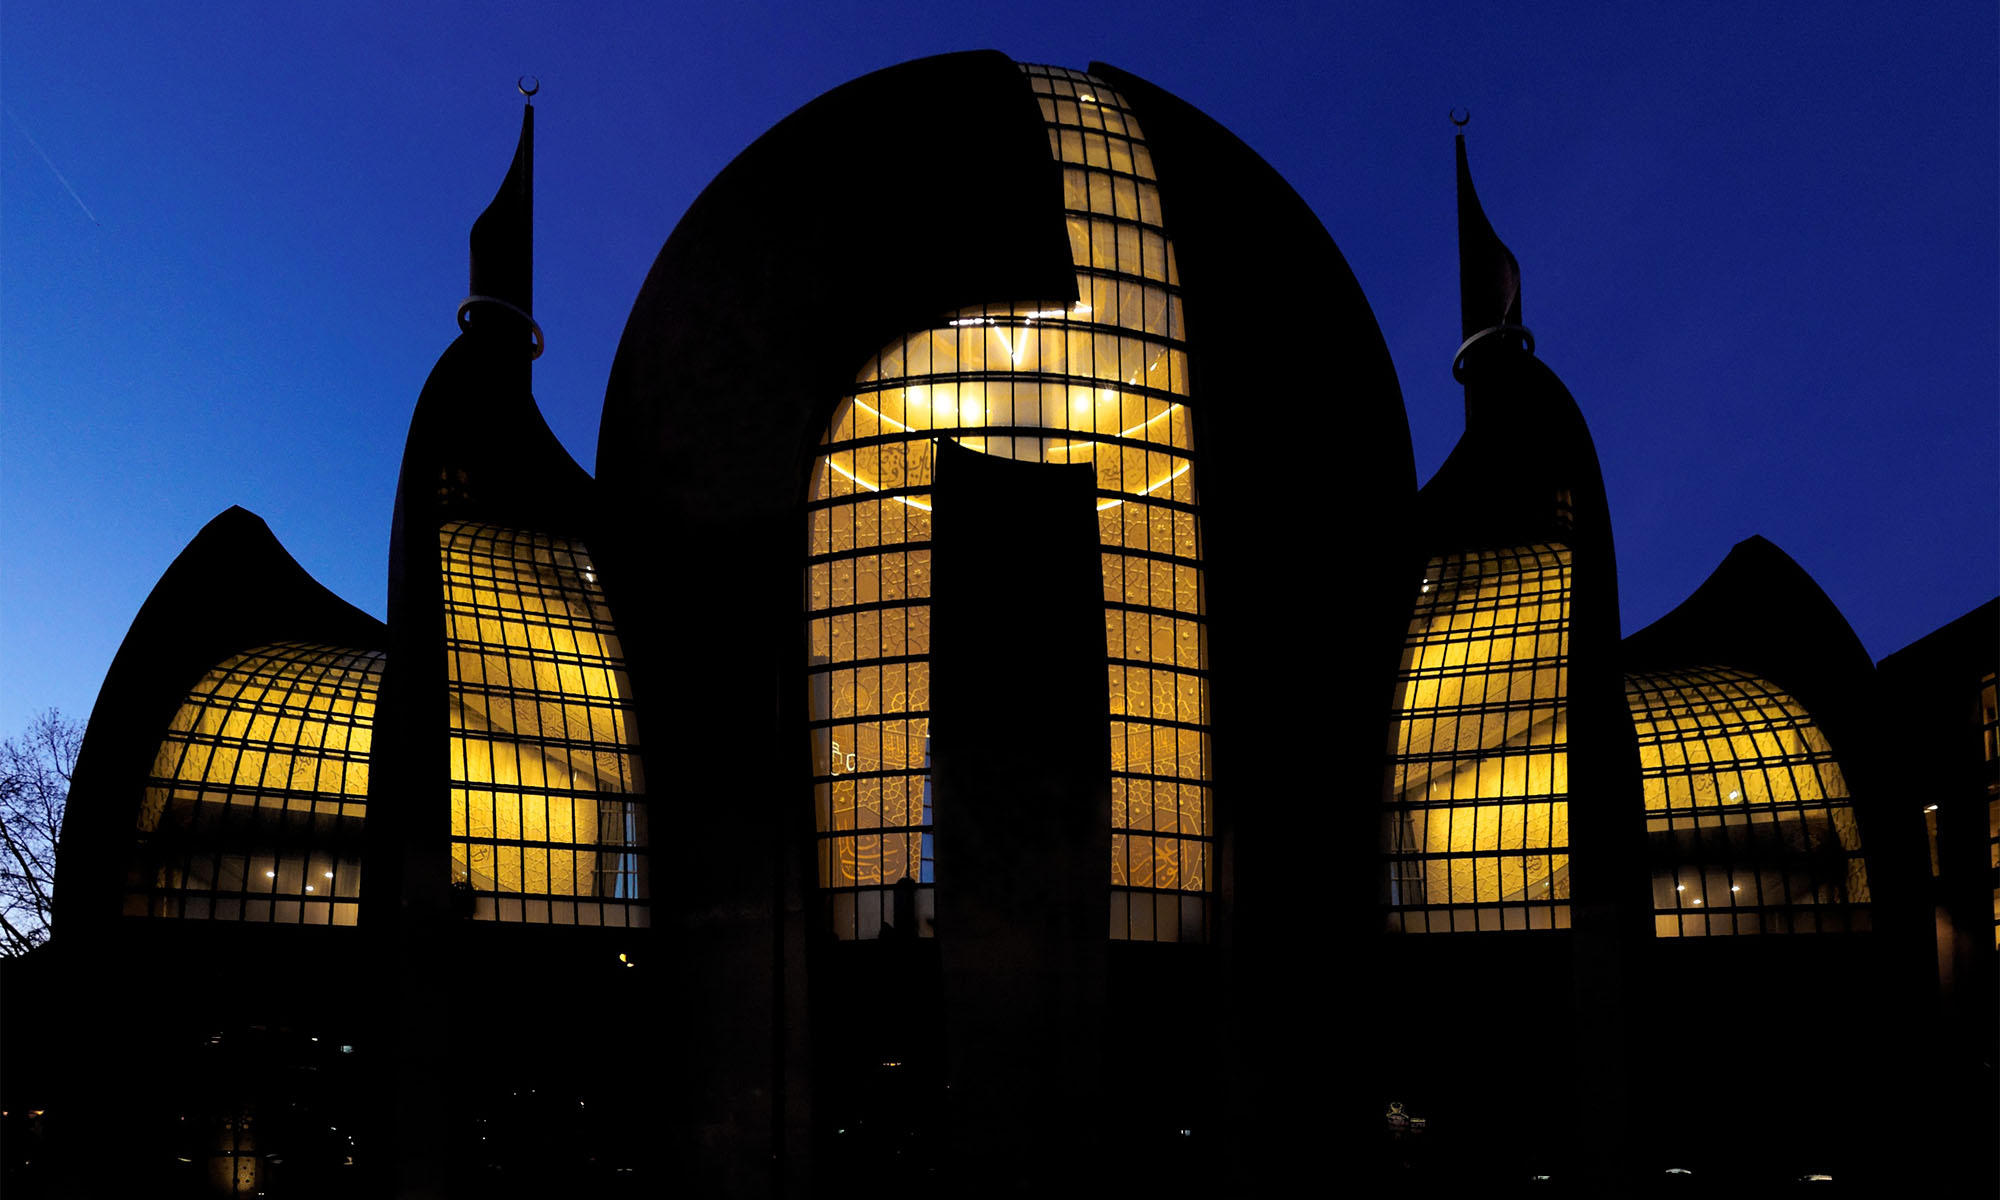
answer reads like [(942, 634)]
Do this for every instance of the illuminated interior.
[(1102, 381), (1746, 808), (254, 805), (1476, 822), (548, 814)]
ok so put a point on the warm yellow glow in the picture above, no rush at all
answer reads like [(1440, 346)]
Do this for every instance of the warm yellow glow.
[(1747, 808), (260, 784), (1103, 381), (1478, 789), (909, 500), (547, 811)]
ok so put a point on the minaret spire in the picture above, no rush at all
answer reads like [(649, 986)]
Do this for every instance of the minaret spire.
[(503, 239), (1489, 279)]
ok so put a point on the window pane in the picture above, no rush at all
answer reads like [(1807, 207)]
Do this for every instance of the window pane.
[(268, 755), (1479, 768), (1749, 815), (545, 757), (1102, 381)]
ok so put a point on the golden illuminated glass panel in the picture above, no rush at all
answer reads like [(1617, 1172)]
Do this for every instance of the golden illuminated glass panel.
[(253, 807), (548, 812), (1476, 810), (1747, 809), (1103, 381)]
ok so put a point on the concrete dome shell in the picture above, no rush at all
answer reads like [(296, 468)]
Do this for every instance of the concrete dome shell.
[(189, 623), (870, 214), (816, 245)]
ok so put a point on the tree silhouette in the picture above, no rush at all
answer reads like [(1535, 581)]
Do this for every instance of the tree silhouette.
[(34, 787)]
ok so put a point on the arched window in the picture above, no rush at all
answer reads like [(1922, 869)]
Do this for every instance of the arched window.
[(1477, 803), (253, 809), (1747, 809), (548, 813), (1104, 382)]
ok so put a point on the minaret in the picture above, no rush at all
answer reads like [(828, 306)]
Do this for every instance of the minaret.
[(512, 758), (1511, 755), (1489, 279), (502, 291)]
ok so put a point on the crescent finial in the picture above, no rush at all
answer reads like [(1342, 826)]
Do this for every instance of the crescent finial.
[(1461, 121), (528, 85)]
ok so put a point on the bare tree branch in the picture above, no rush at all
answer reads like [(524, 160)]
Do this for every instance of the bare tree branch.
[(35, 771)]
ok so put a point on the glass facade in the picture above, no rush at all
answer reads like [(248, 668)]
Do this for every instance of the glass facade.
[(1747, 810), (1476, 807), (1104, 382), (253, 808), (548, 812)]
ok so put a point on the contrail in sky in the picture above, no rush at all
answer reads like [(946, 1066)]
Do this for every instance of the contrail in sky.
[(52, 166)]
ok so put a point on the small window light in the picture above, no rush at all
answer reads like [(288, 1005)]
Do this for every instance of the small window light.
[(1736, 795), (1735, 887), (1927, 808), (1086, 97), (270, 874), (1680, 887), (309, 887), (329, 874), (1697, 899)]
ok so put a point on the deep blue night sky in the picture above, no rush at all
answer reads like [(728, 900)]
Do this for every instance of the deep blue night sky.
[(1757, 241)]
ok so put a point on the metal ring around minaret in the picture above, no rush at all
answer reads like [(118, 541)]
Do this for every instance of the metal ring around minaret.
[(1458, 360), (534, 327)]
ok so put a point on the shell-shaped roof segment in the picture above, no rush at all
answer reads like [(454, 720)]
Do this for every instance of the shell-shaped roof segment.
[(795, 265), (232, 590)]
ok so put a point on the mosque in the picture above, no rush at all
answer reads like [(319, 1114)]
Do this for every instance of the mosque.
[(1002, 716)]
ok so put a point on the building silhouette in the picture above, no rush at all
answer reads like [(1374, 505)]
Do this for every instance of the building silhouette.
[(969, 733)]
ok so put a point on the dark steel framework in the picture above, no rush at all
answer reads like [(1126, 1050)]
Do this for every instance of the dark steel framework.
[(1103, 381), (1747, 810), (547, 798), (1478, 788), (253, 808)]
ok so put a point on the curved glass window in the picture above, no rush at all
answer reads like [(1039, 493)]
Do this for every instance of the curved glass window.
[(254, 805), (548, 814), (1477, 805), (1104, 381), (1746, 809)]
